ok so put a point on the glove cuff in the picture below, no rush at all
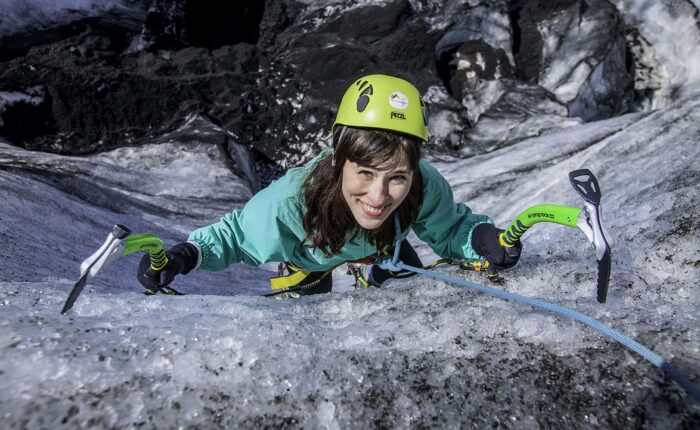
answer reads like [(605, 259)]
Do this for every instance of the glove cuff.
[(187, 256), (199, 253), (481, 232)]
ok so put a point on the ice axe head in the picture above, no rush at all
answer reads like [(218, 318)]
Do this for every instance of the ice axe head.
[(587, 219), (591, 224), (118, 240)]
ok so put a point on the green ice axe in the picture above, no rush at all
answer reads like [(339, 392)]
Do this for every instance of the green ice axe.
[(119, 242), (587, 219)]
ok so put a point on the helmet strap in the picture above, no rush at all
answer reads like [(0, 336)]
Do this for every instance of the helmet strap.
[(340, 138)]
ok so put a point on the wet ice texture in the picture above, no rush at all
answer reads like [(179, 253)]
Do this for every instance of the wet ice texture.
[(415, 353)]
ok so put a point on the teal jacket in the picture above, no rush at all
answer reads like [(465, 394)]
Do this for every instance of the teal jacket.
[(270, 227)]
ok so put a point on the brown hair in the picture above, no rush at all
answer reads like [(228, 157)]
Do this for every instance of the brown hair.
[(328, 221)]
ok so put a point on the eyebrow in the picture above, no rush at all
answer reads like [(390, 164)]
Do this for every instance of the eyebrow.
[(401, 171)]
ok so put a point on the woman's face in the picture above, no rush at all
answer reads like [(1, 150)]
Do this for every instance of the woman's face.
[(374, 193)]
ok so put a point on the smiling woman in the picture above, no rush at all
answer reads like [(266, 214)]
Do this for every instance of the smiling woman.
[(339, 207), (371, 174)]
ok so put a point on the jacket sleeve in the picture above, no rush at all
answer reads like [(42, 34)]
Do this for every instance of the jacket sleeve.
[(258, 233), (446, 226)]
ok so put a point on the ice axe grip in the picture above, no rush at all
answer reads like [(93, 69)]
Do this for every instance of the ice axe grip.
[(558, 214), (148, 243)]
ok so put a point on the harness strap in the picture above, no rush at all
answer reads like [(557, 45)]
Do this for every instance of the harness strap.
[(284, 283), (298, 286), (295, 277), (294, 280)]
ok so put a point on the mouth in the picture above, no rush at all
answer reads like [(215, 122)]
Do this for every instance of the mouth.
[(372, 211)]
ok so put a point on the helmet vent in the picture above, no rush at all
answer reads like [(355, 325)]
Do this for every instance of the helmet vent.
[(363, 100)]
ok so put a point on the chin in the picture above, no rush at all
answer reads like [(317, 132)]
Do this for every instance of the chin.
[(371, 224)]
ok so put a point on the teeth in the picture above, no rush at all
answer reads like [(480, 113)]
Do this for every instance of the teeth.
[(371, 210)]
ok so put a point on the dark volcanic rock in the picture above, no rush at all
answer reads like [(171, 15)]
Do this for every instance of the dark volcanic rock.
[(272, 73), (277, 96), (583, 55), (518, 111), (475, 61), (101, 102), (648, 76), (528, 43), (175, 23), (24, 26), (477, 44), (26, 114), (374, 39)]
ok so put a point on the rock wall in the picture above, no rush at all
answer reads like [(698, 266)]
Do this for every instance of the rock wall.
[(272, 73)]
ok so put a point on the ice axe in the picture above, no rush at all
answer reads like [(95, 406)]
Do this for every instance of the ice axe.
[(119, 242), (586, 219)]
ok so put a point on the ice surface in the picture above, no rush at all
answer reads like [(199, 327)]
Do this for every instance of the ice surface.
[(67, 205), (415, 353)]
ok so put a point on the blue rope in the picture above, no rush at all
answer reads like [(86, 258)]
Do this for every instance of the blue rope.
[(395, 265)]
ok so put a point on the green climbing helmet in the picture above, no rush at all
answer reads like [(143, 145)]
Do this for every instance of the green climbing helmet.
[(385, 102)]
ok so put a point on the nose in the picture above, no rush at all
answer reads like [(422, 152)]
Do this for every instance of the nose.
[(378, 192)]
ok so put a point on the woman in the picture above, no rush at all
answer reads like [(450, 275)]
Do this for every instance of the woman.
[(339, 207)]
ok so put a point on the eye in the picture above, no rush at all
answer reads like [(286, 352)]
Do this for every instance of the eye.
[(365, 173), (399, 178)]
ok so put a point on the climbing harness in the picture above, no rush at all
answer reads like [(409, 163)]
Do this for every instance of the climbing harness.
[(290, 280), (295, 280)]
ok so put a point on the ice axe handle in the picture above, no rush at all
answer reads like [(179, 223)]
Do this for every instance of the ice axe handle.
[(158, 262), (148, 243), (155, 248), (153, 271), (558, 214)]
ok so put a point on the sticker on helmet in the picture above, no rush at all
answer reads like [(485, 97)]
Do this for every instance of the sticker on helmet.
[(398, 100)]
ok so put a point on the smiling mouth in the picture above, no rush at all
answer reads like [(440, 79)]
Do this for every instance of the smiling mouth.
[(371, 210)]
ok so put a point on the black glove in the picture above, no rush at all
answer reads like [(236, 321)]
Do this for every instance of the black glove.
[(485, 242), (181, 259)]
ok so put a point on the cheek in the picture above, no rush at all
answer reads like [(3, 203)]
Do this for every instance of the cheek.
[(344, 186), (400, 192), (351, 186)]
